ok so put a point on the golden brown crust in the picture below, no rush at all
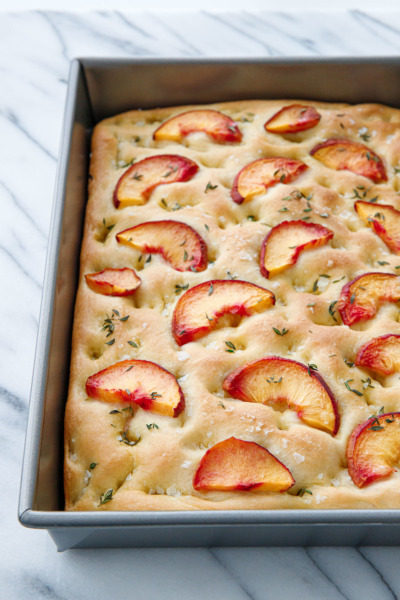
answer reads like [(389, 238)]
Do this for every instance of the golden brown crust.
[(157, 472)]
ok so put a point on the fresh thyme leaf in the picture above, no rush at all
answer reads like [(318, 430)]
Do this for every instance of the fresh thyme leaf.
[(133, 344), (152, 426), (273, 380), (185, 256), (376, 428), (283, 209), (180, 288), (171, 171), (115, 312), (332, 311), (164, 203), (311, 367), (251, 218), (346, 383), (324, 215), (349, 363), (206, 226), (127, 441), (365, 136), (155, 395), (221, 404), (148, 259), (352, 298), (209, 187), (123, 319), (111, 342), (367, 383), (282, 333), (115, 412), (303, 491), (210, 289), (324, 275), (341, 279), (383, 262), (137, 176), (183, 243), (230, 276), (128, 408), (93, 465), (231, 346), (315, 286), (106, 497), (312, 304), (176, 206)]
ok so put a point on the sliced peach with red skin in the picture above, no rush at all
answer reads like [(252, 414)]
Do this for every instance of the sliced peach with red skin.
[(384, 219), (361, 298), (218, 302), (262, 174), (285, 242), (293, 118), (114, 282), (179, 244), (280, 381), (346, 155), (218, 126), (140, 382), (380, 355), (236, 465), (135, 186), (373, 449)]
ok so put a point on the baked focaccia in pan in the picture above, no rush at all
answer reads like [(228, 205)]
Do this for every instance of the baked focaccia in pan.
[(236, 342)]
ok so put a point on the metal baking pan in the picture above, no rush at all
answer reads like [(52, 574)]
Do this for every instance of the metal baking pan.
[(99, 88)]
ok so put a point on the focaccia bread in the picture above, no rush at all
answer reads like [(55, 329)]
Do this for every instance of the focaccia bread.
[(236, 336)]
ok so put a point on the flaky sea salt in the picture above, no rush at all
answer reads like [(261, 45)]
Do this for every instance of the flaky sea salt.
[(172, 491), (183, 355), (86, 477), (186, 464), (299, 458)]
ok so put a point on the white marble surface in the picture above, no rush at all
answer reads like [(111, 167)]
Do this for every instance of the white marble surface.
[(35, 50)]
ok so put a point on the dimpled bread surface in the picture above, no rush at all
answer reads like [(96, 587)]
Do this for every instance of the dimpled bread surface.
[(155, 470)]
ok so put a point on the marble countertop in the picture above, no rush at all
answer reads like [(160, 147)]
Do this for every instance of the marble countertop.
[(36, 48)]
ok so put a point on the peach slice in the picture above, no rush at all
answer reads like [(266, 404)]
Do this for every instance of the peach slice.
[(216, 302), (384, 220), (293, 118), (285, 242), (137, 183), (374, 448), (381, 354), (214, 123), (234, 464), (178, 243), (342, 154), (361, 298), (141, 382), (262, 174), (114, 282), (281, 381)]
